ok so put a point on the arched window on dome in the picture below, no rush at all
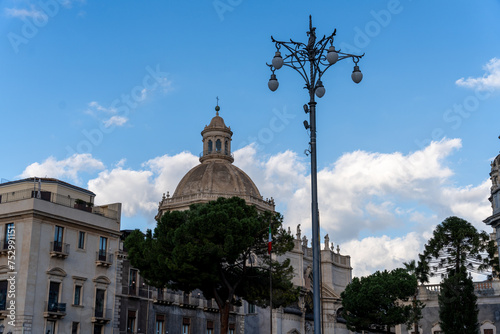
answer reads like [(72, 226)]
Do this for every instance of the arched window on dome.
[(218, 145), (226, 148), (209, 146)]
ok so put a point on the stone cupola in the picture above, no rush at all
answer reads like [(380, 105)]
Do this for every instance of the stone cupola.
[(216, 140)]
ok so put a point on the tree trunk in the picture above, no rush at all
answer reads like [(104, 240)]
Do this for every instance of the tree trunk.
[(224, 318)]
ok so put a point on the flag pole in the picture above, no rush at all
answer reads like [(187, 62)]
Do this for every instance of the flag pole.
[(269, 248)]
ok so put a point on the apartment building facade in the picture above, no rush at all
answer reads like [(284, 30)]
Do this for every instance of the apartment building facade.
[(57, 259)]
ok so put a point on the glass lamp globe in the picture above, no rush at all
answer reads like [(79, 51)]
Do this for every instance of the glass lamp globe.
[(332, 56), (320, 89), (356, 75), (273, 83), (277, 60)]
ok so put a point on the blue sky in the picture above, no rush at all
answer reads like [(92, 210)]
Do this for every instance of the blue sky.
[(112, 96)]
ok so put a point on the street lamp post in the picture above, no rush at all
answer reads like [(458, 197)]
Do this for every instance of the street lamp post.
[(298, 57)]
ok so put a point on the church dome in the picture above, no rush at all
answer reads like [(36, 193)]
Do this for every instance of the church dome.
[(215, 176)]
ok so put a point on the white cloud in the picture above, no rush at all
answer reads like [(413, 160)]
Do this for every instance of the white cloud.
[(139, 191), (377, 253), (134, 189), (95, 106), (66, 168), (489, 81), (380, 208), (115, 121), (24, 13), (363, 193), (370, 191)]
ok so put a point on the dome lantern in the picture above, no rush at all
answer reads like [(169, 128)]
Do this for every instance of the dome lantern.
[(216, 139)]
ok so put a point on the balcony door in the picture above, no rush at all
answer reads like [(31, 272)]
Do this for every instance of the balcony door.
[(53, 296), (103, 245), (99, 303), (58, 238)]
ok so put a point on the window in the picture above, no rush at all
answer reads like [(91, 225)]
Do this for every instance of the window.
[(210, 146), (3, 295), (131, 322), (58, 238), (75, 328), (78, 295), (54, 296), (226, 150), (103, 244), (97, 329), (81, 240), (231, 329), (8, 228), (251, 308), (51, 327), (218, 145), (99, 303), (132, 281), (487, 331), (210, 327), (160, 324), (185, 325)]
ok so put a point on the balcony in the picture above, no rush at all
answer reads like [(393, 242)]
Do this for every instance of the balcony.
[(103, 259), (162, 297), (134, 291), (101, 316), (130, 291), (55, 310), (188, 301), (59, 249), (210, 306)]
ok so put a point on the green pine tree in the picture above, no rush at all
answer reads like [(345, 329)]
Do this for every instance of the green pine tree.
[(219, 248), (458, 305)]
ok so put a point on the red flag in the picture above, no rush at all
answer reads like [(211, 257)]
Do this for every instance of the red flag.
[(270, 241)]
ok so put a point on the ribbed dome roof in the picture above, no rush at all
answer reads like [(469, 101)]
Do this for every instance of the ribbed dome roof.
[(217, 122), (216, 177)]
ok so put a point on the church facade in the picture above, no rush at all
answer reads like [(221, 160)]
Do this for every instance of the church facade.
[(177, 312)]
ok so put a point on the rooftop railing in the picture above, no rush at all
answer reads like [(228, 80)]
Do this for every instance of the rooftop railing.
[(67, 201)]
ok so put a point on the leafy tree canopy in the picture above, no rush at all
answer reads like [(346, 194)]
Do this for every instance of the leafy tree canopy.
[(457, 244), (375, 303), (219, 248)]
